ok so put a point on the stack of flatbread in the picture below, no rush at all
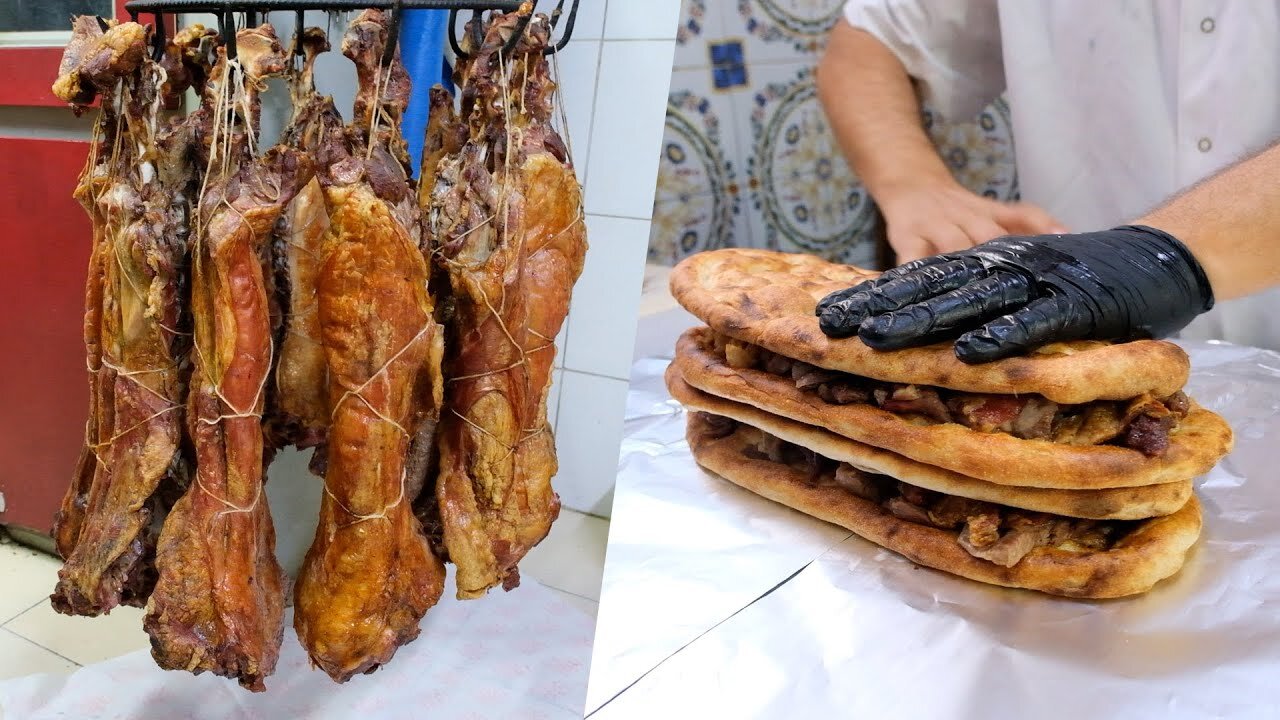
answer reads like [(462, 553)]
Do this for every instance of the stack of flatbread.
[(1067, 471)]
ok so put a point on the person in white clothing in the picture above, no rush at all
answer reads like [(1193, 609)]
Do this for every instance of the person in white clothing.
[(1115, 105)]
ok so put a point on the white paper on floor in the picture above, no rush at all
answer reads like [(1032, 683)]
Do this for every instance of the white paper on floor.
[(522, 654)]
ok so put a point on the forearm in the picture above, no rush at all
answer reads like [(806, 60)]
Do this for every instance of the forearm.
[(875, 115), (1231, 223)]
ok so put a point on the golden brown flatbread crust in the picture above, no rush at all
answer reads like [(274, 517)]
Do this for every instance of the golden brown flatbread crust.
[(1153, 551), (1135, 503), (767, 298), (1195, 445)]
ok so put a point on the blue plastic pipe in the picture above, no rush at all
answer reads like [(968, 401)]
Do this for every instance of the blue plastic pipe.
[(422, 39)]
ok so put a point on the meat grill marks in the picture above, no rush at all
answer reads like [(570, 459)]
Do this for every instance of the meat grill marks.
[(218, 603), (506, 224), (370, 574), (996, 533), (1143, 423), (137, 189)]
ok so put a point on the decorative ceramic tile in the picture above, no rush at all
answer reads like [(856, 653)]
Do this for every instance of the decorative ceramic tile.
[(728, 69), (701, 21), (785, 30), (698, 184), (748, 159), (805, 197), (979, 151)]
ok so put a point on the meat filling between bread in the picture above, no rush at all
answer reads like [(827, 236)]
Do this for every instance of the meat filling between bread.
[(1142, 423), (996, 533)]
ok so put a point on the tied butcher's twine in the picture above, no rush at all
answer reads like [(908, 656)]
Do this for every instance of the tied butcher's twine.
[(356, 393), (549, 343), (124, 91)]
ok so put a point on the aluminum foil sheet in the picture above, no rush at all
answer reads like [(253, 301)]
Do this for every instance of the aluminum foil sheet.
[(718, 603)]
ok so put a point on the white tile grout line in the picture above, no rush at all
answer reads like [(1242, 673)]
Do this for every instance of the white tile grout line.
[(42, 647), (595, 106), (592, 374), (33, 606)]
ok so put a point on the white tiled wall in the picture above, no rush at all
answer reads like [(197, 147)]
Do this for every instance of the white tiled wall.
[(622, 50)]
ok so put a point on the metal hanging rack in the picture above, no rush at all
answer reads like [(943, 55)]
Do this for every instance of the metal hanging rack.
[(251, 9)]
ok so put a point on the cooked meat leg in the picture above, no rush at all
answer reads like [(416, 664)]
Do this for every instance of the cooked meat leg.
[(219, 601), (512, 242), (370, 575), (136, 195)]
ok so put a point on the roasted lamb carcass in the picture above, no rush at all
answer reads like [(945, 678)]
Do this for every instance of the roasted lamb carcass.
[(370, 574), (218, 603), (136, 188), (506, 226)]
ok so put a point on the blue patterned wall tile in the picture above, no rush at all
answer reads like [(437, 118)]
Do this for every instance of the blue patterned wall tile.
[(749, 159), (804, 197), (979, 151), (701, 21), (698, 188), (785, 30)]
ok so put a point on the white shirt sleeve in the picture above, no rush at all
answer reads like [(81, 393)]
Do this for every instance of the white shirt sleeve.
[(951, 47)]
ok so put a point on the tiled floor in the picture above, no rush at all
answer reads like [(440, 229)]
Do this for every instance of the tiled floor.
[(35, 639)]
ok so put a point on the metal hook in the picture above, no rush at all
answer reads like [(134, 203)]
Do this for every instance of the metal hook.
[(227, 28), (393, 35), (477, 28), (568, 27), (453, 41), (159, 40), (301, 24), (514, 40), (105, 26), (250, 18)]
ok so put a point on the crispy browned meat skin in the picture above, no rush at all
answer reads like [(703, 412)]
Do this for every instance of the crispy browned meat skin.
[(94, 61), (506, 215), (302, 412), (370, 575), (136, 193), (218, 603)]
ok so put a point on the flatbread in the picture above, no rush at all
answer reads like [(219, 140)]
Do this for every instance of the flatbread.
[(1151, 552), (1111, 504), (767, 298), (1195, 445)]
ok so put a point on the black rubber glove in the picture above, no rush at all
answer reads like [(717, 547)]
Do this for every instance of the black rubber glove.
[(1018, 292)]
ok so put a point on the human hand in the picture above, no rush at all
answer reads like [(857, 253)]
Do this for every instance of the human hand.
[(1005, 296), (927, 219)]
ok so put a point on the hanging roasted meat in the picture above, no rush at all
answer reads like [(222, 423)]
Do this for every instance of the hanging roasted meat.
[(506, 223), (136, 188), (370, 575), (301, 413), (218, 603)]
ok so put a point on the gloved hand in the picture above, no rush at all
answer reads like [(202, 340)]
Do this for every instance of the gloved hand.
[(1008, 295)]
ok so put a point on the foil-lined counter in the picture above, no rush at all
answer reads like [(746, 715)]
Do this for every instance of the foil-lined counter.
[(719, 603)]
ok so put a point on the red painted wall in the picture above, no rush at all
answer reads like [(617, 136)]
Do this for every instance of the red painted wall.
[(44, 249)]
